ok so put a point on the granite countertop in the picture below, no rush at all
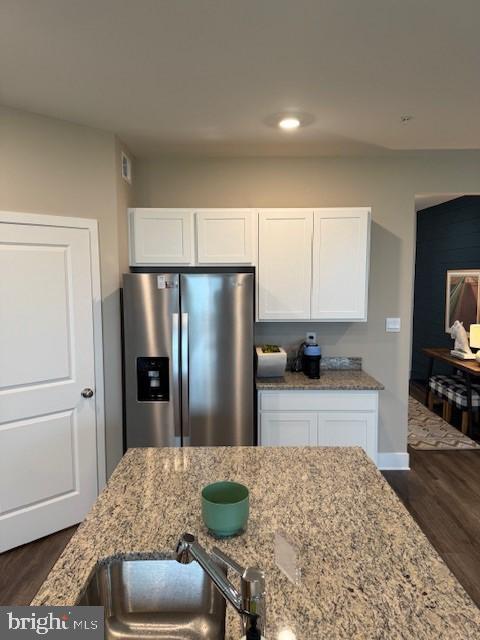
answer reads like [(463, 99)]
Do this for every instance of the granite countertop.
[(367, 571), (342, 379)]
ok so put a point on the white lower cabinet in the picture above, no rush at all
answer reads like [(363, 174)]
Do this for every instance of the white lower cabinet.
[(285, 429), (319, 418), (349, 429)]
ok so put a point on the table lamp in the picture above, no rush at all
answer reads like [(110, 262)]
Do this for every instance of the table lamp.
[(475, 339)]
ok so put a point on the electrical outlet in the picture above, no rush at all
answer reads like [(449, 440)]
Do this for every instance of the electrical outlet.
[(311, 337)]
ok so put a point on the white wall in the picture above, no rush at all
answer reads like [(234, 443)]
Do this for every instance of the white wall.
[(54, 167), (388, 184)]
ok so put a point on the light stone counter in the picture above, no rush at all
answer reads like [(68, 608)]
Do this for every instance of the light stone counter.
[(368, 572), (330, 380)]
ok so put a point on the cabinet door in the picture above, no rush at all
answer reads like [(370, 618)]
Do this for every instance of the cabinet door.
[(348, 429), (285, 429), (341, 240), (284, 264), (226, 236), (161, 237)]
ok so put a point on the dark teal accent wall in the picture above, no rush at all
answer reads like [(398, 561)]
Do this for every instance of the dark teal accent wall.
[(448, 237)]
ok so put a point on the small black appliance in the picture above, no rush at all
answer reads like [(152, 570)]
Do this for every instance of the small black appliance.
[(311, 360), (308, 360)]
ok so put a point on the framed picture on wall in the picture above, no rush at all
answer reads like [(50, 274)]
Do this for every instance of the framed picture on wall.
[(463, 298)]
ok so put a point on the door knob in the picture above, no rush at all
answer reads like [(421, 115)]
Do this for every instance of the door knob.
[(87, 393)]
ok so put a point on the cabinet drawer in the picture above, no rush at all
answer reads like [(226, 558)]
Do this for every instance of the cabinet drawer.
[(318, 400)]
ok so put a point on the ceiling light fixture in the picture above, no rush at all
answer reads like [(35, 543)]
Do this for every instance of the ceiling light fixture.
[(290, 119), (289, 123)]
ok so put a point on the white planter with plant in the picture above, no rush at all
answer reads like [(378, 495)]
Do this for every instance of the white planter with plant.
[(271, 361)]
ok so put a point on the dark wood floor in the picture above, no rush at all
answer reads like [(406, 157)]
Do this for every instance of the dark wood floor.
[(22, 570), (442, 493)]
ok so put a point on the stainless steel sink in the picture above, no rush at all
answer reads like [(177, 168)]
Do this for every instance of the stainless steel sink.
[(156, 599)]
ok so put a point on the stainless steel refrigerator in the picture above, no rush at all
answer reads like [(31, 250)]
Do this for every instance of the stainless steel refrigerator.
[(188, 359)]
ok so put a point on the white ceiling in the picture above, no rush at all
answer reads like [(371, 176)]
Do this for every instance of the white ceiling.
[(203, 76)]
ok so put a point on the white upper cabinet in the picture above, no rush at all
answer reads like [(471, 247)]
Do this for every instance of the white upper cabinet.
[(161, 237), (226, 236), (284, 264), (341, 240), (312, 264)]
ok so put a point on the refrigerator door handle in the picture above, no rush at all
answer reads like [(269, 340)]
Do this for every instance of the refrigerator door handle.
[(176, 379), (185, 381)]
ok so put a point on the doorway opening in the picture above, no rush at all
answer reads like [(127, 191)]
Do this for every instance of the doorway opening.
[(444, 403)]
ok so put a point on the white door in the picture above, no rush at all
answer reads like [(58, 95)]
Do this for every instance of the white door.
[(348, 429), (161, 237), (340, 264), (226, 236), (48, 436), (288, 429), (284, 264)]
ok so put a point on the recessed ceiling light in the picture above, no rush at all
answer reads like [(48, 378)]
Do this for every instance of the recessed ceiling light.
[(289, 120), (289, 123)]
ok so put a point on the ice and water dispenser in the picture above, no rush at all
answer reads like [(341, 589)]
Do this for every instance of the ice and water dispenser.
[(152, 380)]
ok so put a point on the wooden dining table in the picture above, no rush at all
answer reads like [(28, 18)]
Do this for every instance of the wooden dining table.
[(469, 368)]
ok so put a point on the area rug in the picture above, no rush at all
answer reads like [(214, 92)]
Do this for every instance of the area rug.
[(426, 430)]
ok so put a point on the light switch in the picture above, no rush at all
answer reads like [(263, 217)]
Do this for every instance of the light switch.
[(392, 325)]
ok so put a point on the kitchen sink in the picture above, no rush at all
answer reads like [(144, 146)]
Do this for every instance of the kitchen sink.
[(156, 599)]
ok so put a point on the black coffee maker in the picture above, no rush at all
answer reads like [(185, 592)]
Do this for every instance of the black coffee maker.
[(308, 360), (311, 360)]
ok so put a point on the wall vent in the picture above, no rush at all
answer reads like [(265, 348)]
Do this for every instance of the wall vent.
[(126, 168)]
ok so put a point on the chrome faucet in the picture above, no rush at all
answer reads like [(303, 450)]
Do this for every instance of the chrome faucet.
[(250, 602)]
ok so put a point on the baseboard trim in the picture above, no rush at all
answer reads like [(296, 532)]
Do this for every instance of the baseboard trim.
[(395, 461)]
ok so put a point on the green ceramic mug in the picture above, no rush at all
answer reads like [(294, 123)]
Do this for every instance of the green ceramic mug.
[(225, 508)]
